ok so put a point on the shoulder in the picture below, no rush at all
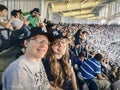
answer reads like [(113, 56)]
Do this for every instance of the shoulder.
[(29, 17), (92, 63), (97, 62), (13, 67), (94, 60)]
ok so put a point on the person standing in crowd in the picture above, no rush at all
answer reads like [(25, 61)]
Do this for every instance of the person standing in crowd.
[(35, 19), (27, 72), (8, 37), (80, 41), (58, 65), (4, 23), (70, 41), (91, 69)]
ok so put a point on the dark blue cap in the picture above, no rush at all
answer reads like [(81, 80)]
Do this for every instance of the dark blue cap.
[(56, 34), (39, 31)]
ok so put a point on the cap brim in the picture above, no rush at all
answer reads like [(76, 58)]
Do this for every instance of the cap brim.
[(52, 39), (46, 34)]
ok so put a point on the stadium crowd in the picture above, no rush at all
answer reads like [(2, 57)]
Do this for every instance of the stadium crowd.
[(74, 57)]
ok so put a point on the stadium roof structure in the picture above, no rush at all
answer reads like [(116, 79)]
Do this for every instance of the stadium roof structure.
[(83, 9)]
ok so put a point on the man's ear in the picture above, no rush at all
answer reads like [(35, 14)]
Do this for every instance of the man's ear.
[(26, 43)]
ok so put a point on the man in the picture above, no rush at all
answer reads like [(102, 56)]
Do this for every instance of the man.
[(4, 23), (81, 56), (8, 37), (34, 18), (27, 72), (91, 69)]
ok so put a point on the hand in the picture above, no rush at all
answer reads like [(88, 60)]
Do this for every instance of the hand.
[(12, 17), (42, 25)]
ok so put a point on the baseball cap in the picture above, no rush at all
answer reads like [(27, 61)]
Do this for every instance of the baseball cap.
[(39, 31), (56, 34)]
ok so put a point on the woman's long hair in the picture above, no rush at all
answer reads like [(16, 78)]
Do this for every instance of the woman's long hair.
[(59, 74)]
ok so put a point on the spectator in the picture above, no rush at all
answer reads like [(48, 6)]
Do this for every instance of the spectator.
[(81, 56), (33, 19), (78, 42), (116, 85), (91, 69), (4, 23), (27, 72), (19, 20), (58, 65), (113, 74)]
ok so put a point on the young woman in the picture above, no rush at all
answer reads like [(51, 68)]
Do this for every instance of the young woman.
[(58, 64)]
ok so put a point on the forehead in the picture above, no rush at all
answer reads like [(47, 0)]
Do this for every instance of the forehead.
[(18, 12), (35, 12), (5, 10), (60, 39), (40, 37)]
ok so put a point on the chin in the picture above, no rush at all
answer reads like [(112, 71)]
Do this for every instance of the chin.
[(60, 53), (41, 56)]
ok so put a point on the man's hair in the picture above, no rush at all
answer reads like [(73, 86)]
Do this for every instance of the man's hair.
[(81, 54), (2, 7), (36, 9), (14, 12), (98, 57)]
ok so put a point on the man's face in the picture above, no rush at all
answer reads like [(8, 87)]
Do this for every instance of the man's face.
[(4, 13), (37, 46), (35, 14), (18, 15)]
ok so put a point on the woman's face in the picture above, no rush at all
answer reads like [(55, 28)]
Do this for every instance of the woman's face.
[(59, 46)]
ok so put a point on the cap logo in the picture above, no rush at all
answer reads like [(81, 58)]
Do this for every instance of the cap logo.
[(44, 30), (55, 33)]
